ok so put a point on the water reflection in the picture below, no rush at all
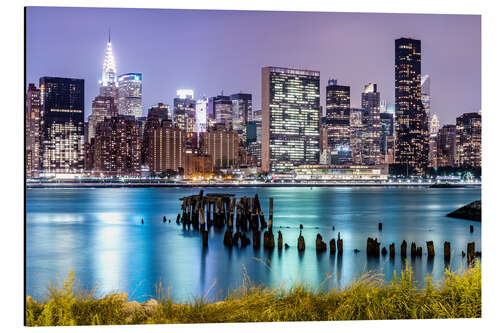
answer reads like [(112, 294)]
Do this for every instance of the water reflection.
[(98, 233)]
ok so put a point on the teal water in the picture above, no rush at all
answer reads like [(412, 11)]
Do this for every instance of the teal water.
[(97, 233)]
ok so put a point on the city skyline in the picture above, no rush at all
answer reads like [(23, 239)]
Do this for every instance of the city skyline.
[(241, 67)]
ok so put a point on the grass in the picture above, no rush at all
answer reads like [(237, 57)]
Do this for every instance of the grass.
[(369, 298)]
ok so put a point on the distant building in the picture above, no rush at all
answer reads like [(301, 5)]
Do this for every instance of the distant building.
[(290, 118), (222, 144), (257, 115), (386, 130), (338, 104), (254, 140), (433, 132), (220, 111), (370, 102), (412, 143), (446, 146), (425, 87), (357, 129), (341, 173), (168, 148), (185, 110), (102, 107), (242, 112), (108, 83), (468, 151), (130, 94), (33, 118), (157, 115), (201, 115), (62, 125), (115, 150), (198, 164)]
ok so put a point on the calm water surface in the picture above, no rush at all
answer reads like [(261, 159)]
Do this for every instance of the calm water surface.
[(97, 233)]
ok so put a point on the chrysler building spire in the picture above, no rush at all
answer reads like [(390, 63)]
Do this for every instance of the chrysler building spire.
[(109, 67)]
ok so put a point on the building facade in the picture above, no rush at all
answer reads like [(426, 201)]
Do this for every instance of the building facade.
[(33, 121), (201, 115), (242, 112), (446, 146), (130, 94), (220, 111), (357, 130), (185, 110), (62, 125), (102, 107), (412, 140), (168, 148), (157, 114), (337, 120), (468, 150), (109, 83), (370, 102), (290, 118), (115, 150), (222, 145)]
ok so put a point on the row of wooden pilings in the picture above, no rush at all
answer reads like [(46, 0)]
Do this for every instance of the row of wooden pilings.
[(373, 250), (218, 210)]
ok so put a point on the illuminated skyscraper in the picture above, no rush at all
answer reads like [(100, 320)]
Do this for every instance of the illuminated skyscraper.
[(116, 147), (338, 104), (130, 94), (185, 110), (201, 115), (386, 130), (412, 140), (221, 144), (62, 124), (425, 88), (357, 129), (168, 148), (446, 146), (242, 111), (290, 118), (468, 153), (370, 102), (109, 83), (33, 118), (220, 111), (102, 107), (433, 131), (157, 115)]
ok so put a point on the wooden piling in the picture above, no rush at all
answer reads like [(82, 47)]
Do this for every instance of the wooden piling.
[(403, 249), (430, 249), (470, 252), (280, 240), (471, 228), (413, 250), (301, 243), (372, 247), (256, 238), (340, 245), (447, 251), (380, 226), (392, 251), (270, 219), (320, 245), (333, 248)]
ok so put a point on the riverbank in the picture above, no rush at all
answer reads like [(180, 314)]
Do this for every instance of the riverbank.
[(369, 298), (229, 185)]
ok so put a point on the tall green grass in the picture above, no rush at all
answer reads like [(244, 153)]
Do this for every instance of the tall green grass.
[(368, 298)]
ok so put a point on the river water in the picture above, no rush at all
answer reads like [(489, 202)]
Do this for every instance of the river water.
[(97, 232)]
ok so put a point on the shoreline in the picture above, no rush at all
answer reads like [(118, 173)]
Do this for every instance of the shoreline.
[(229, 185)]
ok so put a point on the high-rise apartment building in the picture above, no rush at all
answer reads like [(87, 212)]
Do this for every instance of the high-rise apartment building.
[(222, 145), (130, 94), (357, 129), (433, 132), (386, 130), (185, 110), (33, 121), (370, 102), (290, 118), (412, 140), (116, 147), (157, 115), (425, 88), (102, 107), (337, 118), (468, 150), (201, 115), (62, 125), (168, 148)]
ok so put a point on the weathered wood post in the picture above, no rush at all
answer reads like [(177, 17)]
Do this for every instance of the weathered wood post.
[(380, 226), (471, 228), (256, 238), (270, 219), (268, 239), (447, 251), (204, 237), (231, 215), (178, 219), (228, 238), (340, 245), (419, 251), (384, 251), (164, 219), (470, 252), (413, 250), (430, 249), (372, 247), (403, 249), (280, 240), (333, 248), (301, 243), (392, 251), (320, 245)]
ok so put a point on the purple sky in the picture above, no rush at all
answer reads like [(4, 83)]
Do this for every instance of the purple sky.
[(208, 51)]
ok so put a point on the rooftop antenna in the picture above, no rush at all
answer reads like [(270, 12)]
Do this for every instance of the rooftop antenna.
[(109, 35)]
